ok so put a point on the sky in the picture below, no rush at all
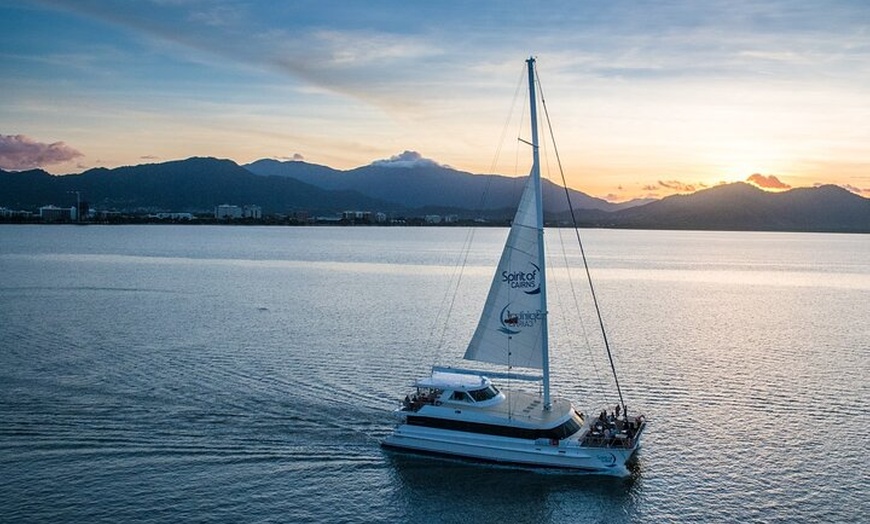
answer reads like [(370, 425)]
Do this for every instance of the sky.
[(646, 98)]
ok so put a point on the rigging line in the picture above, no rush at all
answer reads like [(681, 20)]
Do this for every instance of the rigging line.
[(574, 294), (450, 293), (507, 122), (582, 323), (520, 130), (544, 149), (582, 251), (546, 156), (459, 269), (546, 172)]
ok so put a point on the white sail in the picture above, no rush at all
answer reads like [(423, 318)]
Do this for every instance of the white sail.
[(511, 329)]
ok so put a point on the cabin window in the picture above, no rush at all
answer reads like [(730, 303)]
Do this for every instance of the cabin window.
[(484, 394), (460, 396), (569, 427)]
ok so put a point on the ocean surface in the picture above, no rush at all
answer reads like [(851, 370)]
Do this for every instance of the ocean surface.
[(247, 374)]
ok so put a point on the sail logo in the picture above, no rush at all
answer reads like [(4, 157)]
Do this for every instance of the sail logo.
[(525, 281), (513, 322)]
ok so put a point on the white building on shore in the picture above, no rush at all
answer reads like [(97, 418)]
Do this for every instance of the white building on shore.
[(52, 213), (252, 211), (227, 211)]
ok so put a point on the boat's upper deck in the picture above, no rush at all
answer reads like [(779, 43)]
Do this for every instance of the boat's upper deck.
[(473, 397), (528, 408)]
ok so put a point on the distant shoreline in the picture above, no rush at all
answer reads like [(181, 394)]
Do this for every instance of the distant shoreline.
[(407, 224)]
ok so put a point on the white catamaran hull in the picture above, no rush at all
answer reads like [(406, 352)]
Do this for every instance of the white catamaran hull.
[(461, 413), (566, 454)]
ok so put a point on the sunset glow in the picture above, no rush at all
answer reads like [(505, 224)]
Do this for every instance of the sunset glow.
[(647, 99)]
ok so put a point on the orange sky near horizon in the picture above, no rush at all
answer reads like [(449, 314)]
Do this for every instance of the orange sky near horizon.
[(646, 100)]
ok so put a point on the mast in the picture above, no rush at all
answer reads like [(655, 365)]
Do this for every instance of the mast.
[(536, 177)]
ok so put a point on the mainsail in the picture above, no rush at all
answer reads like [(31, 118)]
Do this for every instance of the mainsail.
[(512, 330)]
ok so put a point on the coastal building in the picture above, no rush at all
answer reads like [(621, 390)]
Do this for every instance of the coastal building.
[(11, 213), (226, 211), (357, 216), (251, 211), (52, 213)]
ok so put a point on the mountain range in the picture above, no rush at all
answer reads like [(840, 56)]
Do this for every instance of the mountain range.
[(422, 183), (194, 185), (422, 187)]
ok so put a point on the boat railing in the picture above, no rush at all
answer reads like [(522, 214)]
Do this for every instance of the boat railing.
[(620, 433), (416, 401)]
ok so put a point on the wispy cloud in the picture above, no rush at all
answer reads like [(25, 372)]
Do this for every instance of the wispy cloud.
[(676, 185), (22, 152), (216, 15), (849, 187), (664, 86)]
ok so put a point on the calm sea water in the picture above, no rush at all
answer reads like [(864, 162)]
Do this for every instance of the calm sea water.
[(243, 374)]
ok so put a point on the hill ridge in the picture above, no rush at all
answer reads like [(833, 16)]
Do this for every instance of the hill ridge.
[(198, 184)]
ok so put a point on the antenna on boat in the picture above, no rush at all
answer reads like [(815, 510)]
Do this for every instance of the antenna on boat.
[(536, 176)]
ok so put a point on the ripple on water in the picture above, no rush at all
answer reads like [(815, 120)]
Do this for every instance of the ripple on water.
[(183, 389)]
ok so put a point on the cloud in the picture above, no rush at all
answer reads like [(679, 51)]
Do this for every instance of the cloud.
[(767, 182), (407, 159), (854, 189), (676, 185), (216, 16), (296, 157), (673, 186), (22, 152)]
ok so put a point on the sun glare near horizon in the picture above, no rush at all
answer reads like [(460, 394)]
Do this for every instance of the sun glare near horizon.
[(647, 101)]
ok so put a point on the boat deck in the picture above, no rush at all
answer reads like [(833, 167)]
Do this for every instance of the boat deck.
[(618, 432), (520, 407)]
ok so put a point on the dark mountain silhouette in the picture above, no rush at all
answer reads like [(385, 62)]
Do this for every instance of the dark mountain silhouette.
[(194, 185), (199, 184), (741, 206), (426, 183)]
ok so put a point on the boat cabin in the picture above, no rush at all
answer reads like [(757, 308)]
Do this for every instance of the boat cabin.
[(453, 388)]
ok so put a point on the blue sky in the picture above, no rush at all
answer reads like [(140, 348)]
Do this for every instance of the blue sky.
[(647, 98)]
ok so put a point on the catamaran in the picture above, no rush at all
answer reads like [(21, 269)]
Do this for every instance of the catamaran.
[(463, 413)]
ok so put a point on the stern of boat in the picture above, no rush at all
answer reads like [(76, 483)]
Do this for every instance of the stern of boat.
[(620, 433)]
